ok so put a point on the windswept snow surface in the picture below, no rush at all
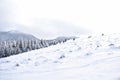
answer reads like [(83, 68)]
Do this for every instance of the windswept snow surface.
[(93, 58)]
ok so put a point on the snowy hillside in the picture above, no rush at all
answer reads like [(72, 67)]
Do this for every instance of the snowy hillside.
[(86, 58), (15, 42), (15, 35)]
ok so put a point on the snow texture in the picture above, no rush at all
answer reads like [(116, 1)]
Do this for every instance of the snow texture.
[(86, 58)]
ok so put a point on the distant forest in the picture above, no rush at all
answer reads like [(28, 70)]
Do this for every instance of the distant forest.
[(8, 48)]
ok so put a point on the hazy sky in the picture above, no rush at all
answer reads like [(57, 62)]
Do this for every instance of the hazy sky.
[(51, 18)]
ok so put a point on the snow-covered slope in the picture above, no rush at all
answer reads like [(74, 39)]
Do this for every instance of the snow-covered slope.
[(16, 35), (86, 58)]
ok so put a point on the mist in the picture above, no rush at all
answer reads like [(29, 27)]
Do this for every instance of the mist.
[(53, 18)]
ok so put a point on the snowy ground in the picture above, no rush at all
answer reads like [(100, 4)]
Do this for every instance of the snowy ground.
[(93, 58)]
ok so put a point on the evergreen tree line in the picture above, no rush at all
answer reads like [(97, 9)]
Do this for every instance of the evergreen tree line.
[(8, 48)]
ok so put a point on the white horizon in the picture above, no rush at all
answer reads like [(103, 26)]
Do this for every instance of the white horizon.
[(50, 18)]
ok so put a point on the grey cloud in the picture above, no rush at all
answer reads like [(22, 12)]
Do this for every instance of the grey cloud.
[(53, 28), (39, 27)]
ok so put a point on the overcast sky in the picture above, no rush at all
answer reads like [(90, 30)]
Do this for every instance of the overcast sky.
[(51, 18)]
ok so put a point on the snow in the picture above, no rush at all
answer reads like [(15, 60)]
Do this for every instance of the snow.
[(95, 58), (16, 35)]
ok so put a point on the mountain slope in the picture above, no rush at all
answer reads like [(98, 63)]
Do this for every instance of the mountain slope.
[(16, 35), (15, 42), (93, 58)]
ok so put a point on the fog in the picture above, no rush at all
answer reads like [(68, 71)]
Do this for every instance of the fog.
[(52, 18)]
